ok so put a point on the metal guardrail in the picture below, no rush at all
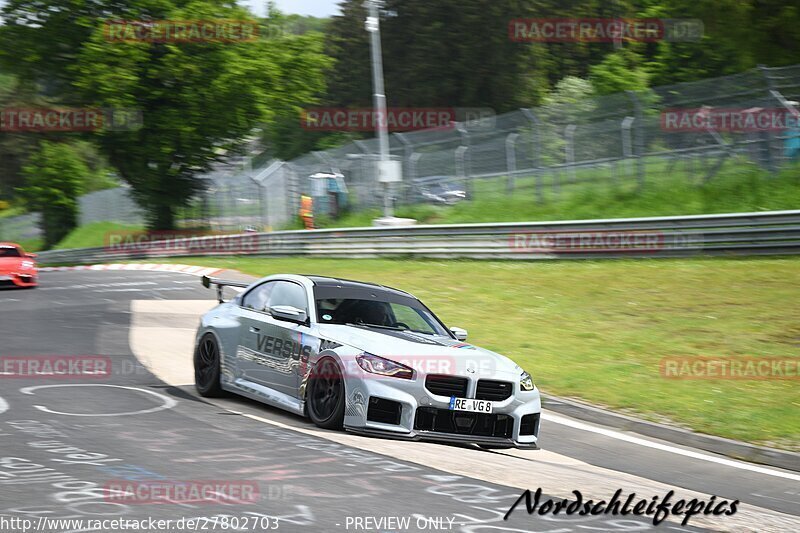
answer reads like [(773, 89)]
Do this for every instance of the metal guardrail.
[(738, 234)]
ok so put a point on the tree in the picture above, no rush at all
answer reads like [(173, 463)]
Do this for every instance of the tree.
[(199, 101), (53, 177), (348, 43), (619, 71)]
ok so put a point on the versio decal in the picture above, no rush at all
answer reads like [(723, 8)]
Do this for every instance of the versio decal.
[(283, 347)]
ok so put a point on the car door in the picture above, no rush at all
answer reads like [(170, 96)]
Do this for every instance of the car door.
[(270, 350), (251, 363)]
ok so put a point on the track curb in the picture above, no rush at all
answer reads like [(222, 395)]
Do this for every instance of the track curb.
[(149, 267)]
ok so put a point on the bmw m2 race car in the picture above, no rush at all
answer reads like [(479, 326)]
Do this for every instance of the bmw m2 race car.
[(17, 268), (363, 357)]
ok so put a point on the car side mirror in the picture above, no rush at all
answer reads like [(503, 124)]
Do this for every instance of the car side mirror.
[(461, 334), (288, 313), (33, 256)]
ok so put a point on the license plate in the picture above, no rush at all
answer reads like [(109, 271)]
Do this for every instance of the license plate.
[(468, 404), (6, 278)]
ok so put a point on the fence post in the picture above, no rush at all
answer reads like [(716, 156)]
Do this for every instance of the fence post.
[(536, 151), (408, 153), (413, 165), (461, 167), (294, 192), (627, 145), (569, 150), (638, 138), (511, 160), (368, 181), (463, 155)]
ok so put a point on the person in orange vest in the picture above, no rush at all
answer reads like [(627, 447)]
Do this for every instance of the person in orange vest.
[(307, 211)]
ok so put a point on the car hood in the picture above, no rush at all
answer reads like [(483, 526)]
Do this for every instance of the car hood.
[(11, 264), (425, 353)]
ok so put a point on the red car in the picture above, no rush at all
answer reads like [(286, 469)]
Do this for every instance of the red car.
[(17, 268)]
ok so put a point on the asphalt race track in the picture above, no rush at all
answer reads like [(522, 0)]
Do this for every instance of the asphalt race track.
[(64, 442)]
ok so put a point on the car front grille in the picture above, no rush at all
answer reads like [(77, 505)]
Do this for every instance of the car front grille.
[(463, 423), (447, 385), (495, 391)]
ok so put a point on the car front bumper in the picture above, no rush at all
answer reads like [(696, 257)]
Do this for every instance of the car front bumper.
[(18, 279), (407, 410)]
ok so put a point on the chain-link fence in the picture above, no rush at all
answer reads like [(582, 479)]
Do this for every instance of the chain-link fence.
[(110, 205), (622, 140)]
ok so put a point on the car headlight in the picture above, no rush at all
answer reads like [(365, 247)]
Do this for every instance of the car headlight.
[(27, 265), (525, 382), (384, 367)]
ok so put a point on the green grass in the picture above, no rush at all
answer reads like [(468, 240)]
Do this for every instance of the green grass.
[(31, 245), (92, 235), (739, 187), (12, 212), (597, 330)]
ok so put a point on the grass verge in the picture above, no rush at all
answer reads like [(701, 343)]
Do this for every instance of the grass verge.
[(739, 187), (93, 235), (598, 330)]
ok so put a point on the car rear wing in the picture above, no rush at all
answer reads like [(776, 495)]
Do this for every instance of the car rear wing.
[(222, 283)]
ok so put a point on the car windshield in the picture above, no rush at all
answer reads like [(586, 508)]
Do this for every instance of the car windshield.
[(385, 315), (375, 308), (9, 251)]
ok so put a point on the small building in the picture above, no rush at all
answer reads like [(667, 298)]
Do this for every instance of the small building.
[(329, 191)]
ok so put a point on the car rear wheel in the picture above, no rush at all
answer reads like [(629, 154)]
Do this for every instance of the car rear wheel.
[(325, 397), (207, 367)]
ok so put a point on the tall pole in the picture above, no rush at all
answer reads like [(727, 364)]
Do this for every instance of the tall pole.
[(373, 25)]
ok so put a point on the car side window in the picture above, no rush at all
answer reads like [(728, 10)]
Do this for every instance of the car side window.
[(288, 293), (258, 298)]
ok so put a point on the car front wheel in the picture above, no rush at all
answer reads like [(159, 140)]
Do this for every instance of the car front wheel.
[(325, 395)]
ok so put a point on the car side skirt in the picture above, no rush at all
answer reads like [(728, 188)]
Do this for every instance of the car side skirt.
[(266, 395)]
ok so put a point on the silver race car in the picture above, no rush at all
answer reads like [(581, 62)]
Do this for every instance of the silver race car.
[(364, 357)]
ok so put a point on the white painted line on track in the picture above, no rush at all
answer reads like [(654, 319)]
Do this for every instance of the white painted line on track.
[(155, 289), (666, 448), (3, 406), (123, 290), (97, 285), (167, 402)]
